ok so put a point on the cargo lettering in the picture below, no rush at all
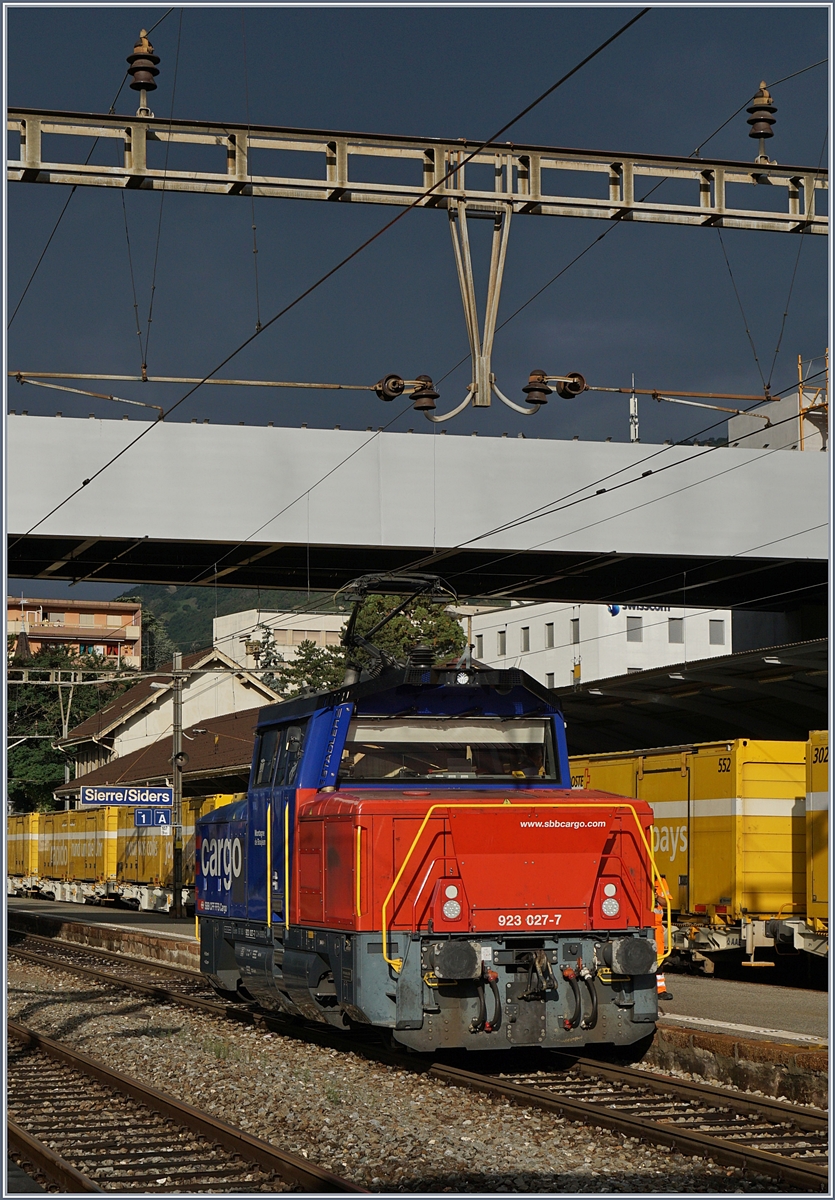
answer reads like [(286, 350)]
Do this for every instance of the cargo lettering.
[(221, 858), (669, 839)]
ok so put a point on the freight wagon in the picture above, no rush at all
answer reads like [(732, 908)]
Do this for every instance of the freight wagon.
[(730, 832), (410, 855), (90, 856)]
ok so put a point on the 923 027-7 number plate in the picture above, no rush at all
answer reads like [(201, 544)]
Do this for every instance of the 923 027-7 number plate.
[(540, 920)]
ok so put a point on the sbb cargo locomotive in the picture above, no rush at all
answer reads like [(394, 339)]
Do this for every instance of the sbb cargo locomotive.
[(410, 855)]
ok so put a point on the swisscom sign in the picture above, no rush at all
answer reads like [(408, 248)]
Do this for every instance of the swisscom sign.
[(110, 794)]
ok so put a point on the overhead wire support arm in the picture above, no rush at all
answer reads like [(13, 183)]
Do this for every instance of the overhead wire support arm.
[(527, 178)]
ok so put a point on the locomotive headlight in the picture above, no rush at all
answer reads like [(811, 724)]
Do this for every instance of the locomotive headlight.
[(610, 907), (451, 891), (452, 910), (610, 889)]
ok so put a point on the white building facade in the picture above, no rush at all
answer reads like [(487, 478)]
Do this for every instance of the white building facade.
[(559, 644), (236, 633)]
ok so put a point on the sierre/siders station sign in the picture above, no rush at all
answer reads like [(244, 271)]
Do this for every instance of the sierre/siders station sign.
[(109, 794)]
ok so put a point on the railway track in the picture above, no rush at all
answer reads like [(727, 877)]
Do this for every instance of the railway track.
[(90, 1129), (754, 1133)]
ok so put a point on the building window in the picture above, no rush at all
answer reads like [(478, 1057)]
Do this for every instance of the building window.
[(86, 618), (501, 642), (56, 618), (112, 650), (675, 630), (634, 629), (525, 639), (634, 670), (86, 648), (549, 678), (549, 636), (302, 635), (114, 619), (332, 637), (575, 631), (479, 645), (717, 633)]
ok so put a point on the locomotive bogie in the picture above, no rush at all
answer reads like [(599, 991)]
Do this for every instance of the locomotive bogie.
[(549, 992)]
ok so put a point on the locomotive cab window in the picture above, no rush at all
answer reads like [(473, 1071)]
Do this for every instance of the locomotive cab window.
[(381, 750), (265, 758)]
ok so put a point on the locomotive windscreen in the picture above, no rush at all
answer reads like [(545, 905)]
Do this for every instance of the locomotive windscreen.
[(414, 748)]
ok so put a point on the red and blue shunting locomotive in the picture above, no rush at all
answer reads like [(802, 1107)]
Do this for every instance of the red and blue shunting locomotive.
[(410, 855)]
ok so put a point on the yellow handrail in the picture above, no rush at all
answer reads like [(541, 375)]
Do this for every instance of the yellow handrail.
[(359, 867), (397, 963)]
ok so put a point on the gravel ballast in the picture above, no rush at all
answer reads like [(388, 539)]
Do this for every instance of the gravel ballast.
[(385, 1128)]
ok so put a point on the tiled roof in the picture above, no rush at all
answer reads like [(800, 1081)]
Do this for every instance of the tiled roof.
[(215, 746), (106, 720)]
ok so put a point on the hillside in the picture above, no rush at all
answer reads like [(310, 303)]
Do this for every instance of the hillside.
[(187, 612)]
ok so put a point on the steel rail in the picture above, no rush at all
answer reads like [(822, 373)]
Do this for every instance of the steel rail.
[(110, 955), (45, 1160), (237, 1141), (806, 1118), (212, 1007), (688, 1141)]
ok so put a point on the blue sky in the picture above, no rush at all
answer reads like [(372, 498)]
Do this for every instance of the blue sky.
[(652, 300)]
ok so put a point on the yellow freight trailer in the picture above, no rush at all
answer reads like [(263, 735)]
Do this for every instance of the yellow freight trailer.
[(729, 828), (145, 854), (22, 842), (817, 829)]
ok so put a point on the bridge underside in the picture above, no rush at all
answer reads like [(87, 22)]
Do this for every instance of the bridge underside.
[(780, 584)]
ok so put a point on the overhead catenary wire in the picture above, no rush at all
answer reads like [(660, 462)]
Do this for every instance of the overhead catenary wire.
[(73, 191), (551, 507), (741, 309), (525, 518), (344, 262), (792, 280)]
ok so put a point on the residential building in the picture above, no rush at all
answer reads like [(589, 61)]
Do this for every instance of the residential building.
[(215, 686), (111, 628), (239, 634), (219, 756), (559, 644)]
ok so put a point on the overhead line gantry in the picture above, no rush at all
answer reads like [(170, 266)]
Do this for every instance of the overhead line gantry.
[(335, 166)]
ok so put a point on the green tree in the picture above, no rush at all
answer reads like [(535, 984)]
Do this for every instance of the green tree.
[(320, 668), (34, 766)]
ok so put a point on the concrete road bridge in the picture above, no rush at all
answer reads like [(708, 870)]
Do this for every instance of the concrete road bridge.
[(520, 517)]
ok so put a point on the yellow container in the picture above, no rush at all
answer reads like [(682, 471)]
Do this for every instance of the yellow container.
[(53, 862), (817, 827), (22, 844), (729, 829), (91, 843), (145, 854)]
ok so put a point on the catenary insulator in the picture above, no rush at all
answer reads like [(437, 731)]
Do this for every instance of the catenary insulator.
[(761, 111), (143, 65), (424, 395), (536, 389), (573, 384), (390, 386)]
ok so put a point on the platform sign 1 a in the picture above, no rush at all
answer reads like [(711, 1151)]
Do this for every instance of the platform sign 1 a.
[(128, 796), (160, 817)]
